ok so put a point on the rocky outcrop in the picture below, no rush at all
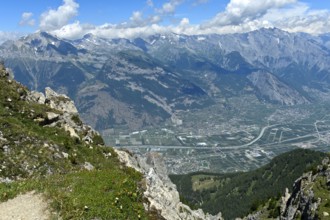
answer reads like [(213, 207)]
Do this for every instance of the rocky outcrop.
[(306, 200), (65, 114), (160, 192)]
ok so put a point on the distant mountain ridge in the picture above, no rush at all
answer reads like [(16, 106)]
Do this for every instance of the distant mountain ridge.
[(144, 81)]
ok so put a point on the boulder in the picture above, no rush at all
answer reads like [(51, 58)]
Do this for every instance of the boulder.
[(88, 166), (36, 97), (51, 116), (71, 131), (60, 102)]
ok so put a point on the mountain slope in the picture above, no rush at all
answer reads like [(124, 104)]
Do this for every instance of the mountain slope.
[(237, 194), (46, 148), (134, 89), (310, 195), (47, 153)]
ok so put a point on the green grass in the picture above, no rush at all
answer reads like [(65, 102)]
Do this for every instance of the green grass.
[(103, 194), (321, 190), (49, 161)]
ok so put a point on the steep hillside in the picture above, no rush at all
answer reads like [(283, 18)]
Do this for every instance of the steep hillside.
[(49, 156), (310, 195), (46, 148), (237, 194), (133, 89)]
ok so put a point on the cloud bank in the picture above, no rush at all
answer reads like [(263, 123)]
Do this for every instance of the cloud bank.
[(55, 19), (4, 36), (238, 16)]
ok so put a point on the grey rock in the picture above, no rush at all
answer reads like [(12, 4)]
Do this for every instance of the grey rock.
[(88, 166), (88, 139), (303, 201), (51, 116), (325, 161), (36, 97), (60, 102), (161, 193), (65, 155), (67, 116), (6, 149), (2, 139)]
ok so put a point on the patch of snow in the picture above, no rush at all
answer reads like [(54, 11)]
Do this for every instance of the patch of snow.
[(220, 45)]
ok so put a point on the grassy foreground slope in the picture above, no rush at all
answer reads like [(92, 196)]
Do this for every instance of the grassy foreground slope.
[(81, 180), (237, 194)]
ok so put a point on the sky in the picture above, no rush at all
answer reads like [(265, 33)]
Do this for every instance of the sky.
[(72, 19)]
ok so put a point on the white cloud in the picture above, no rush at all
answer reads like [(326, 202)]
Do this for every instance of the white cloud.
[(27, 19), (301, 19), (170, 7), (56, 19), (136, 17), (4, 36), (155, 19), (184, 22), (138, 20), (73, 31), (239, 16), (288, 15), (238, 11)]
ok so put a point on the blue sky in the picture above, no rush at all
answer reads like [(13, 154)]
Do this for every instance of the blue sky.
[(129, 18)]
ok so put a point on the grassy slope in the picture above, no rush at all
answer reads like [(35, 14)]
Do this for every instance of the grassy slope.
[(32, 156), (238, 194)]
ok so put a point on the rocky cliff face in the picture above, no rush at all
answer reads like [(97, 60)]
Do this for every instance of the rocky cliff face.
[(310, 196), (65, 114), (161, 193)]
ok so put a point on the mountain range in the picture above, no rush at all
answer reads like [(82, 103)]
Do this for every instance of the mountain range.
[(134, 83), (49, 157)]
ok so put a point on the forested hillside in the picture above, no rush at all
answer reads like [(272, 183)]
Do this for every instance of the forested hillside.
[(237, 194)]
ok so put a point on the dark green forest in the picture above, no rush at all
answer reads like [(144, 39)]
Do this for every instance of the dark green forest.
[(237, 194)]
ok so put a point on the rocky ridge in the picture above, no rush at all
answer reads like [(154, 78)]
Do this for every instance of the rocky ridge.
[(161, 193), (68, 118), (310, 196)]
